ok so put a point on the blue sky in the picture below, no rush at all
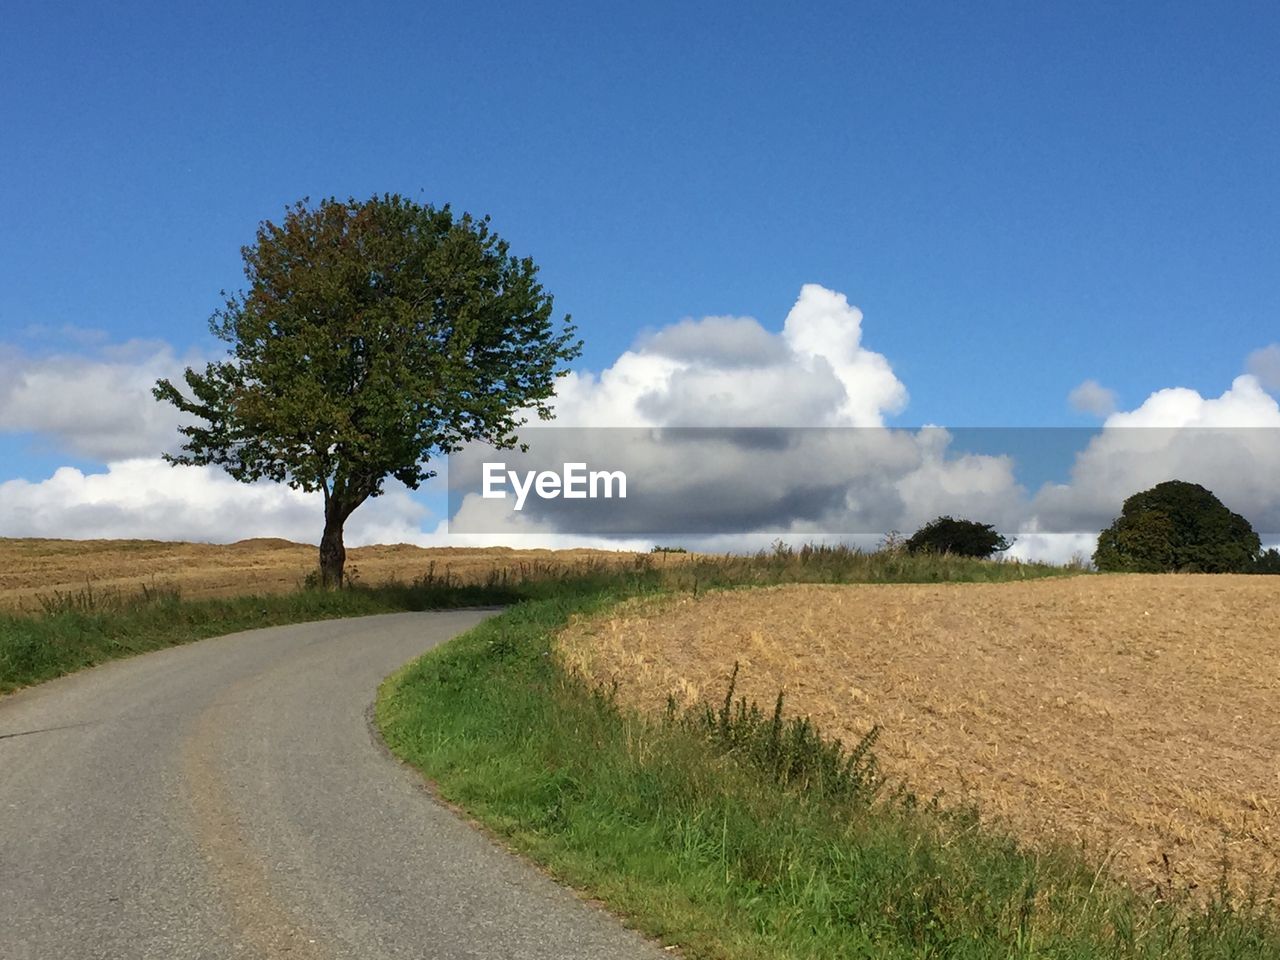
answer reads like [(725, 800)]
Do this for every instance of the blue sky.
[(1018, 196)]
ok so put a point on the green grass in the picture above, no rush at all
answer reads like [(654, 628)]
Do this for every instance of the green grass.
[(687, 827), (82, 629)]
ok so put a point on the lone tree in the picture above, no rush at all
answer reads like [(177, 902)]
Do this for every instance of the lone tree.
[(1177, 526), (964, 538), (373, 336)]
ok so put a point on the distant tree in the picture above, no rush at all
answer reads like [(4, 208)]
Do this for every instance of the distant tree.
[(1268, 561), (1177, 526), (965, 538), (1141, 542), (892, 542), (373, 336)]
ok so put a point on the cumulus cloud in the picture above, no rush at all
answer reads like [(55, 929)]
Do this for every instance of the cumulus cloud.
[(731, 371), (1245, 404), (724, 342), (1229, 444), (1092, 397), (823, 328), (806, 455), (718, 370), (680, 406), (703, 484), (1265, 365), (708, 482), (96, 405), (145, 498)]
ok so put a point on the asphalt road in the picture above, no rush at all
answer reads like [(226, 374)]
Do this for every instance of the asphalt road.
[(229, 799)]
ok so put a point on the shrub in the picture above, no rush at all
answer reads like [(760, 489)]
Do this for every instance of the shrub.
[(964, 538), (1177, 526)]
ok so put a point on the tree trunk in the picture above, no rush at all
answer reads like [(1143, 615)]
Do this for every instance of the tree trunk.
[(333, 555)]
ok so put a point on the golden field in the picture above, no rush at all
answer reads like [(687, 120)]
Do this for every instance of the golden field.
[(30, 569), (1138, 716)]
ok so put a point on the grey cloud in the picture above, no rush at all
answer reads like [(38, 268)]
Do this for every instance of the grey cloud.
[(1236, 463), (866, 481), (734, 481), (722, 342), (721, 397)]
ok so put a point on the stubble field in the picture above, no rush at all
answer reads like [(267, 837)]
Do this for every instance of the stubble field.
[(32, 569), (1133, 715)]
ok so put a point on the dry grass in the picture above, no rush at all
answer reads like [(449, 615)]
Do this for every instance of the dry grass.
[(1136, 715), (30, 569)]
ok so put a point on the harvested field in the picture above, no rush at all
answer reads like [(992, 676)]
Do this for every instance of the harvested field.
[(30, 569), (1136, 715)]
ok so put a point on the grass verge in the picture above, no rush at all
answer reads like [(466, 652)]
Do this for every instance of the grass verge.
[(86, 628), (682, 830)]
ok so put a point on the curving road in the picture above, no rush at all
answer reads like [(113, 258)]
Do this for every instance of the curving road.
[(228, 799)]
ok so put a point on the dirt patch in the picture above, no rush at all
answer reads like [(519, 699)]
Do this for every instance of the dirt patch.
[(30, 569), (1136, 715)]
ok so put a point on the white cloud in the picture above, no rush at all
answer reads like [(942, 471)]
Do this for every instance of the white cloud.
[(731, 371), (1057, 548), (99, 405), (716, 371), (1245, 404), (1092, 397), (823, 327), (1265, 365), (980, 487), (1229, 444), (148, 499)]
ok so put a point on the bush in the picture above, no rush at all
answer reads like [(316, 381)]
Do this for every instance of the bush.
[(1177, 526), (964, 538)]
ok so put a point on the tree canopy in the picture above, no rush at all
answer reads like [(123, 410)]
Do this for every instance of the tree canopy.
[(965, 538), (1177, 526), (372, 336)]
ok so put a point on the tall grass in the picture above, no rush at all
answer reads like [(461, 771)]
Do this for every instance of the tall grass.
[(790, 751), (837, 563)]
